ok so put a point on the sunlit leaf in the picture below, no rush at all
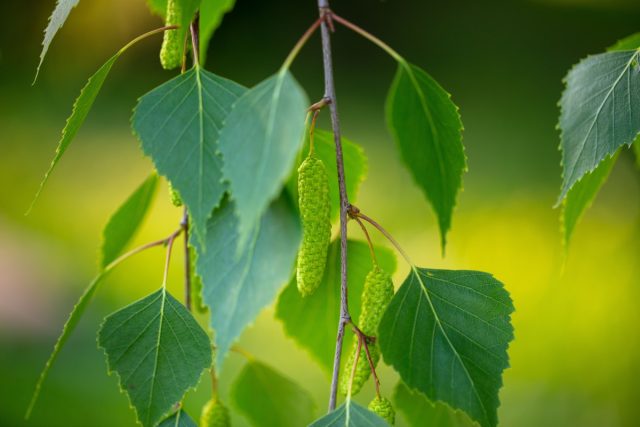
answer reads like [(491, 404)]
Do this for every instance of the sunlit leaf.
[(355, 165), (179, 419), (124, 223), (581, 195), (447, 333), (178, 125), (238, 286), (259, 143), (628, 43), (350, 414), (56, 20), (419, 411), (426, 126), (596, 112), (211, 13), (81, 108), (312, 321), (285, 403), (158, 351)]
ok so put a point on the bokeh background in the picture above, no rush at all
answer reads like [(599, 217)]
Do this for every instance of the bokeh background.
[(576, 357)]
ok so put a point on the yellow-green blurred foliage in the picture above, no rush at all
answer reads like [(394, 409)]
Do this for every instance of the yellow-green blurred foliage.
[(576, 357)]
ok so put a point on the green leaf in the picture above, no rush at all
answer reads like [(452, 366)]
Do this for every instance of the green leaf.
[(628, 43), (56, 20), (158, 7), (350, 414), (283, 403), (179, 419), (313, 321), (211, 13), (426, 126), (81, 108), (158, 351), (69, 327), (124, 223), (446, 333), (419, 411), (178, 125), (596, 112), (581, 195), (355, 163), (237, 286), (259, 143)]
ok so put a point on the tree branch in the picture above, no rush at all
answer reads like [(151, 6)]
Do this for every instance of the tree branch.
[(330, 95)]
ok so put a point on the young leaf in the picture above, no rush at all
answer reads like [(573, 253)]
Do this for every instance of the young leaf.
[(446, 333), (596, 112), (581, 195), (355, 162), (124, 223), (81, 108), (179, 419), (259, 142), (158, 351), (211, 13), (313, 320), (289, 406), (419, 411), (237, 286), (56, 20), (178, 126), (69, 327), (350, 414), (426, 126)]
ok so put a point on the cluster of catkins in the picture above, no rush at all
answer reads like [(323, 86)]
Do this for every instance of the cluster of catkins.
[(315, 211)]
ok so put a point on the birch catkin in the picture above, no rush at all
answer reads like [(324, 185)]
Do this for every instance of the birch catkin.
[(376, 295), (383, 408), (313, 194), (171, 50), (215, 414)]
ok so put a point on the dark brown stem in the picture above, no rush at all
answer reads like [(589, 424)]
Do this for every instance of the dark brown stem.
[(330, 95), (362, 337), (355, 365), (366, 234), (187, 260)]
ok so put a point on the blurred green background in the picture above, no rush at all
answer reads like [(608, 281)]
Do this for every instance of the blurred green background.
[(576, 357)]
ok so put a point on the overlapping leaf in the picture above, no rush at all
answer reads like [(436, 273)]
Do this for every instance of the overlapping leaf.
[(178, 124), (350, 414), (426, 126), (158, 351), (285, 403), (447, 333), (179, 419), (211, 13), (56, 20), (259, 142), (312, 321), (124, 223), (597, 112), (237, 286), (419, 411)]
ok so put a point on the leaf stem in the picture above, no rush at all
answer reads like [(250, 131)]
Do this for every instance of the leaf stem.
[(145, 35), (384, 232), (367, 35), (298, 46), (366, 234), (330, 96), (312, 128), (172, 239), (195, 39), (355, 366)]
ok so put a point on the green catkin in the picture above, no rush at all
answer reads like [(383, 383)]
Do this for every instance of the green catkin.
[(383, 408), (176, 200), (376, 295), (215, 414), (171, 50), (315, 211)]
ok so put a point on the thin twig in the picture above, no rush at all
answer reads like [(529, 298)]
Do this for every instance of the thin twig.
[(172, 239), (144, 247), (355, 365), (187, 260), (296, 49), (368, 340), (330, 94), (366, 234), (353, 27)]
